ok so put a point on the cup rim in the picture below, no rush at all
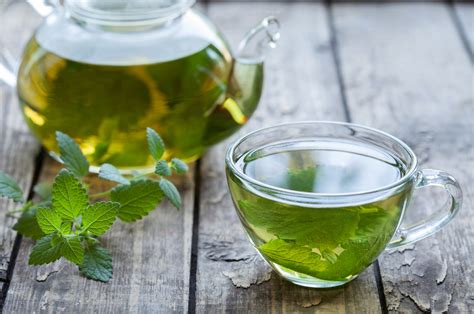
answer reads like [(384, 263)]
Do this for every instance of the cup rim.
[(238, 172)]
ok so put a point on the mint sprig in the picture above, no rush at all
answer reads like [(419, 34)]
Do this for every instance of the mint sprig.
[(155, 144), (162, 168), (136, 199), (97, 263), (179, 166), (109, 172), (68, 222), (9, 188), (99, 217), (171, 192), (27, 225), (48, 220), (71, 155), (44, 252), (69, 196)]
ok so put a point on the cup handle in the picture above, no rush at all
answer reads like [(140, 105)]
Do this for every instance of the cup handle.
[(430, 225)]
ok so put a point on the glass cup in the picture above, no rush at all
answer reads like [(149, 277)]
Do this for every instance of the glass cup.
[(326, 239)]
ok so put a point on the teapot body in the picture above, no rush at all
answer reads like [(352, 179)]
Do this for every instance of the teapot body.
[(104, 84)]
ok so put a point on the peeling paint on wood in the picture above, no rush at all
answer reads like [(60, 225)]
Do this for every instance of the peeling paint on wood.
[(43, 272), (253, 273)]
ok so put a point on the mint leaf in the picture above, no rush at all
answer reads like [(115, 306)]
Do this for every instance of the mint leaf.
[(298, 258), (57, 239), (137, 199), (65, 228), (71, 155), (322, 227), (329, 255), (27, 225), (301, 179), (109, 172), (155, 144), (340, 253), (69, 195), (97, 263), (72, 250), (44, 251), (171, 192), (179, 166), (9, 188), (43, 190), (162, 168), (98, 217), (48, 220)]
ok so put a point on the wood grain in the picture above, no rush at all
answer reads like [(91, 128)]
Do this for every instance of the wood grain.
[(18, 148), (405, 71), (465, 13), (301, 84), (151, 266), (410, 76)]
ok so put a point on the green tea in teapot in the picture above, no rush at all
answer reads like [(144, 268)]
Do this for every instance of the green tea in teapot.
[(193, 101)]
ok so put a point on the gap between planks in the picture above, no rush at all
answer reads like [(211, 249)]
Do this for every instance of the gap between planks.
[(347, 111), (194, 240), (462, 30), (38, 166)]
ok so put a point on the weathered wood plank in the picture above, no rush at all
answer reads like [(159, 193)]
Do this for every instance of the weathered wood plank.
[(465, 13), (151, 266), (301, 84), (410, 76), (18, 148)]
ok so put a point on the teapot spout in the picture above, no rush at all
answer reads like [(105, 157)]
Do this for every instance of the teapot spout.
[(259, 40)]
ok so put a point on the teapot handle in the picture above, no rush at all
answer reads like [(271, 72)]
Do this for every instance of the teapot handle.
[(8, 64), (259, 39)]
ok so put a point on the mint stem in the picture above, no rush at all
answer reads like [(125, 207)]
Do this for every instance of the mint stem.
[(101, 194), (143, 175)]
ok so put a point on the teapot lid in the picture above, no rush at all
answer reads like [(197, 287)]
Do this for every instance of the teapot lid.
[(119, 12)]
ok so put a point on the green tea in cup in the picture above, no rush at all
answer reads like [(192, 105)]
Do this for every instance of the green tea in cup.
[(320, 201)]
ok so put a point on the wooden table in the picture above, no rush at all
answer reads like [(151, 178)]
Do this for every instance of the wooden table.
[(405, 68)]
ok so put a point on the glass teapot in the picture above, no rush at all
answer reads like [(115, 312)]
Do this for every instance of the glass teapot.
[(102, 71)]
